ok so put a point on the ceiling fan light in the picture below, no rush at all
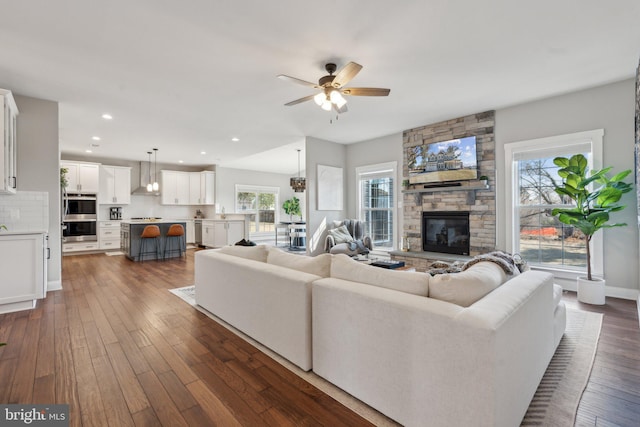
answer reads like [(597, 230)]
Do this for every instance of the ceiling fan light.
[(155, 186), (319, 98), (337, 98), (149, 187), (326, 105)]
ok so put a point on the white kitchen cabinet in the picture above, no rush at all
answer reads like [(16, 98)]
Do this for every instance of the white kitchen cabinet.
[(8, 158), (80, 246), (115, 185), (174, 187), (190, 231), (207, 188), (194, 188), (109, 235), (218, 233), (83, 177), (23, 260)]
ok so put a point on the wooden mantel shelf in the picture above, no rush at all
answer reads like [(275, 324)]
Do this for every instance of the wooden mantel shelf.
[(480, 185)]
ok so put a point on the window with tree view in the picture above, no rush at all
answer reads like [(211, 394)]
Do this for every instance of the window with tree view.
[(377, 203), (260, 203), (543, 240)]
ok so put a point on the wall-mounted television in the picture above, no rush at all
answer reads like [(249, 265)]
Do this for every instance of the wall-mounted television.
[(445, 161)]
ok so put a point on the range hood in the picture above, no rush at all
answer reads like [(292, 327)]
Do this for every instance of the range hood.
[(144, 180)]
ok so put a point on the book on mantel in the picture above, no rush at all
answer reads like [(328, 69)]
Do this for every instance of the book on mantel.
[(388, 264)]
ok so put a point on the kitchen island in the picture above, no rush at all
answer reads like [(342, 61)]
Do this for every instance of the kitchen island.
[(130, 231)]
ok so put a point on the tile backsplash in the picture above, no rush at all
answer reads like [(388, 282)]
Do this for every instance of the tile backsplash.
[(25, 211)]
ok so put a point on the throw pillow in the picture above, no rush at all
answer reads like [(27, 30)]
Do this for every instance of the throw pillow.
[(318, 265), (345, 268), (340, 235), (469, 286), (258, 253)]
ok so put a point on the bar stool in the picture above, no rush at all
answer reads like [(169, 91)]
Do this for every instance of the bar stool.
[(149, 232), (176, 231)]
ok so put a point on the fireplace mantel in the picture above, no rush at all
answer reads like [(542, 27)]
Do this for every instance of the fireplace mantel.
[(480, 185)]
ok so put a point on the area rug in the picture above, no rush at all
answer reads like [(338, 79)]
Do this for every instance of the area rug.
[(554, 405), (556, 401)]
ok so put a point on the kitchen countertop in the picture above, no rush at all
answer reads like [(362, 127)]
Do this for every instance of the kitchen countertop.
[(150, 221)]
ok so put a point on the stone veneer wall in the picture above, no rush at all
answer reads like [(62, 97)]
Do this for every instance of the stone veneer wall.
[(481, 204)]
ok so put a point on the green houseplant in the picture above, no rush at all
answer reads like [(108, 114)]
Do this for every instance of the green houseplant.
[(595, 196), (292, 207)]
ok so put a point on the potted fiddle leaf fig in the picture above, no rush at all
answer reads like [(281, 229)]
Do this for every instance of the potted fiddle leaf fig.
[(595, 196)]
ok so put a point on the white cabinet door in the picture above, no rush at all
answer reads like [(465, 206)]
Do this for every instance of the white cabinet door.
[(72, 176), (106, 195), (190, 231), (208, 233), (207, 188), (22, 262), (194, 188), (88, 175), (235, 231), (220, 234), (8, 158), (122, 186)]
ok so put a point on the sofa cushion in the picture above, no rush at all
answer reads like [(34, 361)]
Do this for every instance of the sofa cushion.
[(340, 234), (318, 265), (345, 268), (469, 286), (257, 253), (557, 294)]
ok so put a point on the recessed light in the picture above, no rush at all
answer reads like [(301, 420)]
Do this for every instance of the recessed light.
[(180, 161), (234, 139), (95, 138), (88, 151), (107, 116), (203, 152)]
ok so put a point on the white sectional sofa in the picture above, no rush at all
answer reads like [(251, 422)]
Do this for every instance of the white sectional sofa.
[(384, 337)]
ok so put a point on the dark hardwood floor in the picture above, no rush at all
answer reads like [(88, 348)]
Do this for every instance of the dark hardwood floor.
[(121, 350)]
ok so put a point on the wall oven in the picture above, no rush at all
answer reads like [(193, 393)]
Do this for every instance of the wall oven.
[(80, 218)]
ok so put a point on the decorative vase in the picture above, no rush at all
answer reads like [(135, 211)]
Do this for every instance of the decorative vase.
[(591, 291)]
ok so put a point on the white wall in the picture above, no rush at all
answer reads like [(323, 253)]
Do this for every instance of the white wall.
[(37, 169), (320, 152), (610, 107)]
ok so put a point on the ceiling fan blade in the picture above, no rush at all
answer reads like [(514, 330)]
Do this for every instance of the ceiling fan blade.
[(298, 101), (365, 91), (345, 75), (298, 81)]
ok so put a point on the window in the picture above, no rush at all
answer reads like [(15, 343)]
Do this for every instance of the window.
[(261, 203), (376, 203), (535, 234)]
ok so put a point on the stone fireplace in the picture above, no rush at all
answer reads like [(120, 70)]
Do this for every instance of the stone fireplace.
[(474, 198)]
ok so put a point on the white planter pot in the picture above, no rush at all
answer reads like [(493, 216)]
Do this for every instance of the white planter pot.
[(591, 291)]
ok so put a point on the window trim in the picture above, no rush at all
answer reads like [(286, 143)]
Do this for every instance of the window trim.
[(595, 139), (386, 168)]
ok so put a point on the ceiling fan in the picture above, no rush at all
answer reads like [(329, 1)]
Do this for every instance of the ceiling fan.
[(332, 88)]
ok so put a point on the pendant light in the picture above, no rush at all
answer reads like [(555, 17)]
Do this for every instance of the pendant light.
[(149, 185), (155, 185), (298, 184)]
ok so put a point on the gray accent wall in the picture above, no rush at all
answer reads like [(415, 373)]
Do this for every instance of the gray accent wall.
[(321, 152), (609, 107), (38, 168)]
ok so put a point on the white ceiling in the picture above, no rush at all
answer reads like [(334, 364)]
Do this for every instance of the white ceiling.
[(186, 77)]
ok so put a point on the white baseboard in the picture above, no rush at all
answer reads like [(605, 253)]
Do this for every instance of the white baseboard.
[(54, 285), (610, 291)]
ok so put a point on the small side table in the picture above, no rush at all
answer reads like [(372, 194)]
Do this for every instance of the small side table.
[(298, 236)]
